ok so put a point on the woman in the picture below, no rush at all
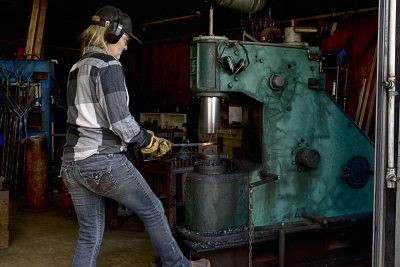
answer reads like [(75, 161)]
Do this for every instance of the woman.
[(99, 128)]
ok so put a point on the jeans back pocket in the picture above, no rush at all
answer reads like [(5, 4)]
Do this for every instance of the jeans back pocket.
[(98, 180)]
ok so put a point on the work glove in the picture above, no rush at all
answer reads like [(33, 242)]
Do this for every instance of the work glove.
[(157, 147)]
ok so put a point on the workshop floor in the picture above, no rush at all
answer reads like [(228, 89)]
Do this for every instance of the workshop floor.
[(48, 238)]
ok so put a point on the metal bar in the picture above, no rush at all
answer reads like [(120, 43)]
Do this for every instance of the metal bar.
[(12, 157), (282, 246), (249, 36), (392, 75), (305, 29), (380, 143), (196, 15), (5, 147), (195, 144), (211, 21), (345, 89), (390, 84), (331, 15), (5, 129), (264, 181), (18, 148)]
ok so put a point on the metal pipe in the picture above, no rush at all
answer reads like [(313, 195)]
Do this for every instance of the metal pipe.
[(305, 29), (390, 84), (267, 31), (18, 148), (209, 114), (250, 37), (195, 144), (378, 248), (331, 15), (211, 21), (12, 157), (345, 91), (282, 248), (334, 91), (196, 15), (391, 78)]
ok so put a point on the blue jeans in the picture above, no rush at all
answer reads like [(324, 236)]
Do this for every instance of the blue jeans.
[(90, 181)]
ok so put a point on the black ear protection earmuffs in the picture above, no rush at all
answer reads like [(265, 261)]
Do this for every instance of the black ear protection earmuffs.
[(114, 31), (227, 61)]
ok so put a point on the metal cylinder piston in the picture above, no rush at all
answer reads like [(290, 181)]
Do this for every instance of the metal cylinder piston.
[(210, 108)]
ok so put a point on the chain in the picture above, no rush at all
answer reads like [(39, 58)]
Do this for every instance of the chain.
[(251, 227)]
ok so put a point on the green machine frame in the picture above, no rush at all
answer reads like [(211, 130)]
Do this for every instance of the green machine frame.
[(312, 158)]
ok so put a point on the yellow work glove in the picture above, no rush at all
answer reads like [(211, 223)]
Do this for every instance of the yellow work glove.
[(157, 147), (152, 146)]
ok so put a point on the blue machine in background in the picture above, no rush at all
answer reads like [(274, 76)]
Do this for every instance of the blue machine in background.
[(25, 111)]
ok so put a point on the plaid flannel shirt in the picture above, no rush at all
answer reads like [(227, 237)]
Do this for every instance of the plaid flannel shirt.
[(99, 120)]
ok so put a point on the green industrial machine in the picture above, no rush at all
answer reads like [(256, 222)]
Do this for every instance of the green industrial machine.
[(303, 164)]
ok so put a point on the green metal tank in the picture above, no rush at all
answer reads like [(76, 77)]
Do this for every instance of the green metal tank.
[(218, 201)]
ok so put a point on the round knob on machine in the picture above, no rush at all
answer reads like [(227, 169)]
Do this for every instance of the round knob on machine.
[(309, 158), (276, 82)]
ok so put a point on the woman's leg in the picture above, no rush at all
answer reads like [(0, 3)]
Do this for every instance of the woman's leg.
[(134, 193), (115, 177), (90, 211)]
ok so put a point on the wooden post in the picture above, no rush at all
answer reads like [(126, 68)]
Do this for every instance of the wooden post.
[(40, 28), (365, 102), (32, 28), (360, 100), (371, 109), (36, 27)]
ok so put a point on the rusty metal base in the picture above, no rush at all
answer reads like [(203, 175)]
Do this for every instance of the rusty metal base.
[(347, 241)]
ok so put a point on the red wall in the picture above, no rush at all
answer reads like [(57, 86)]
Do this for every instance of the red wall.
[(358, 37)]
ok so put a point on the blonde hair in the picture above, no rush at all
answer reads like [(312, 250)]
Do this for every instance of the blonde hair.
[(93, 36)]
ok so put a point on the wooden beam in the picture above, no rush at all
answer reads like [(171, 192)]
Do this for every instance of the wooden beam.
[(371, 109), (360, 100), (371, 76), (36, 28), (32, 28), (40, 29)]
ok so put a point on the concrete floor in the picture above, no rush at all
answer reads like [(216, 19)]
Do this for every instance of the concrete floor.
[(48, 238)]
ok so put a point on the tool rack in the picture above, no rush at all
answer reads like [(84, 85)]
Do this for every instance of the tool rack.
[(26, 111)]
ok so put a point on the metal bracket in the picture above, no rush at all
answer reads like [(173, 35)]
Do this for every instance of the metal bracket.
[(319, 219), (268, 177), (391, 178), (390, 83)]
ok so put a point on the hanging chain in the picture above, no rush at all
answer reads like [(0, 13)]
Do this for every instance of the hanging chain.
[(251, 227)]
